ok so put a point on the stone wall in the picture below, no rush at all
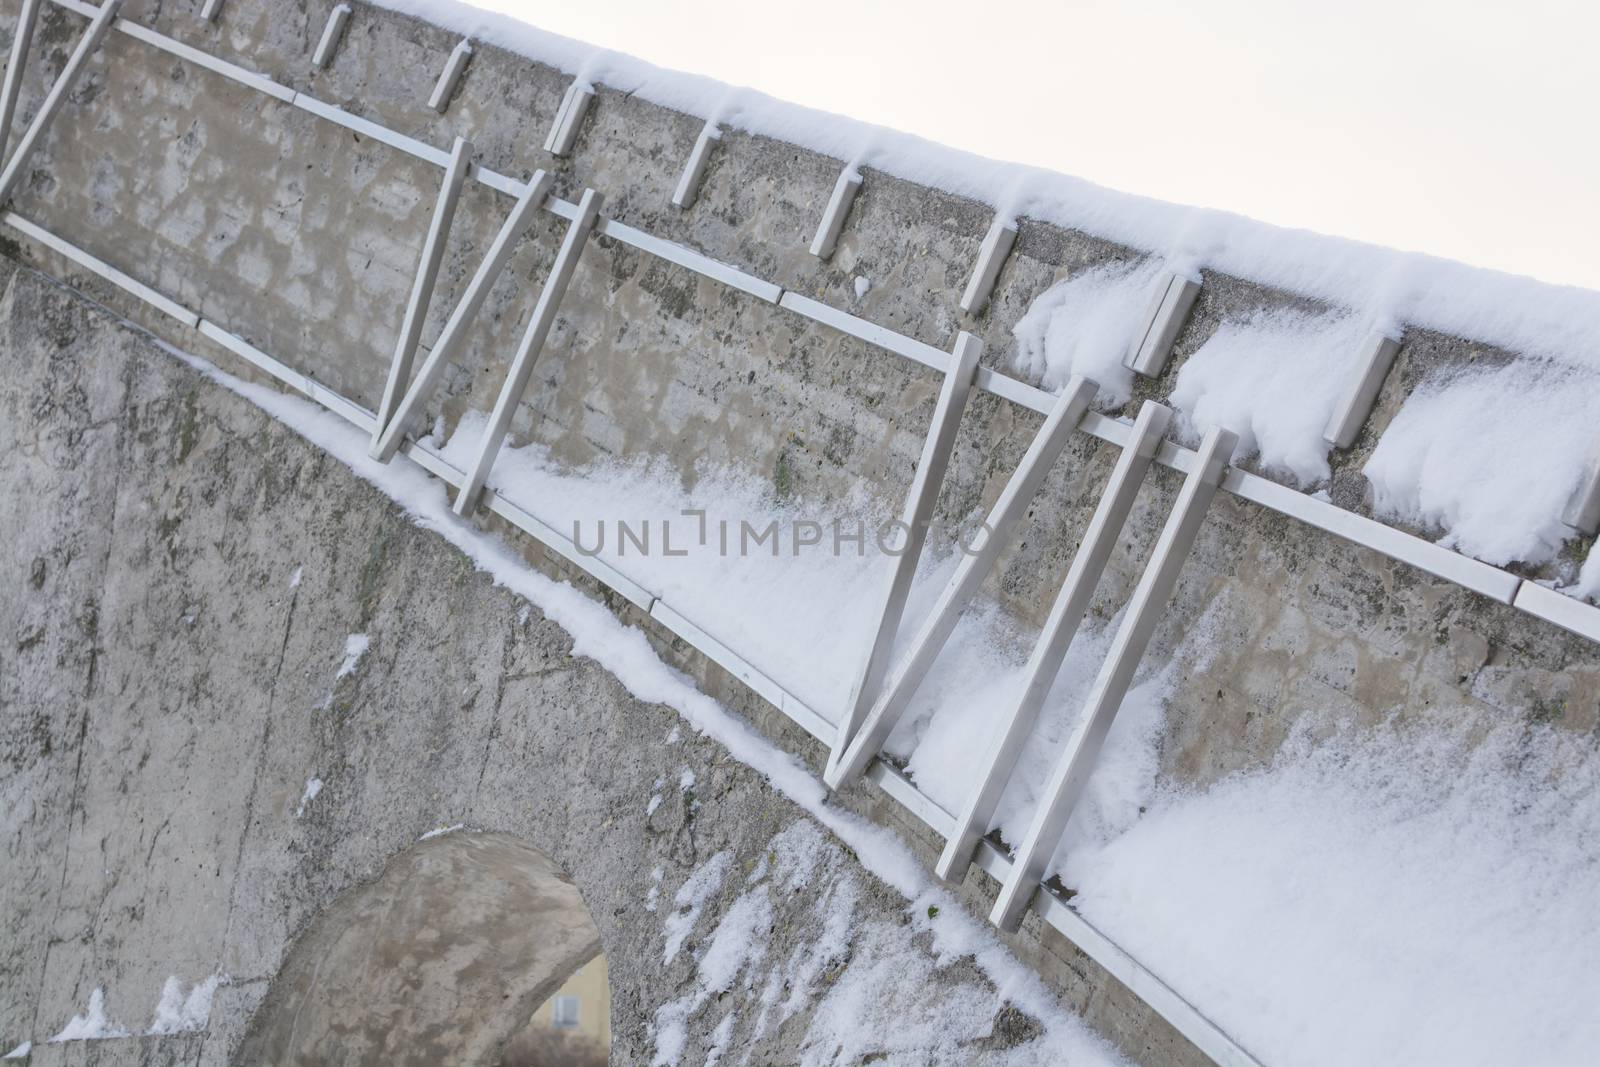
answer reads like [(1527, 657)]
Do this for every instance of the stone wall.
[(182, 576)]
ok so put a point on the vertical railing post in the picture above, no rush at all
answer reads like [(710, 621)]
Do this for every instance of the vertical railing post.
[(521, 369), (330, 36), (833, 216), (694, 169), (1066, 615), (56, 97), (1144, 611), (439, 99), (1372, 365), (991, 257)]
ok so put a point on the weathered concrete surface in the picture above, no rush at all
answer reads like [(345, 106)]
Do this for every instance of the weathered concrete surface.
[(441, 960), (181, 574)]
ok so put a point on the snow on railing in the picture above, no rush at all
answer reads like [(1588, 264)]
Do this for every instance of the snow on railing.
[(880, 692)]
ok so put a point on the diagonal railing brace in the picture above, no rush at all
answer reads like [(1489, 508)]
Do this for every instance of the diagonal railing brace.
[(522, 364)]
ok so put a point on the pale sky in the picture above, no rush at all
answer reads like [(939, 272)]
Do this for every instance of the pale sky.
[(1462, 128)]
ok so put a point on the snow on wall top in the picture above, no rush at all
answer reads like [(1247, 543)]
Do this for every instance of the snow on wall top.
[(1384, 286)]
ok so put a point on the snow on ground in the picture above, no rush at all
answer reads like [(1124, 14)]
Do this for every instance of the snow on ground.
[(179, 1012), (92, 1025), (1400, 894), (20, 1052), (873, 990), (1491, 455)]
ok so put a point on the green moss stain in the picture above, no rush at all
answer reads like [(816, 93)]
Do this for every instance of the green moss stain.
[(188, 425), (783, 476), (372, 573)]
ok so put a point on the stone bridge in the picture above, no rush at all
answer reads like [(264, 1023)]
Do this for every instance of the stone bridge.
[(259, 648)]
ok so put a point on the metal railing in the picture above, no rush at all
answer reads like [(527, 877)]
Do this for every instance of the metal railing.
[(883, 688)]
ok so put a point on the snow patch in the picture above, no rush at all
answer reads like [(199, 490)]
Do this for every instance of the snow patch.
[(178, 1012), (652, 898), (441, 831), (720, 1037), (739, 941), (313, 787), (873, 989), (957, 709), (355, 647), (691, 901), (92, 1025), (20, 1052)]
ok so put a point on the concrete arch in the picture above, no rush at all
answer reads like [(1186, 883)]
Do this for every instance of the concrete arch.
[(444, 958)]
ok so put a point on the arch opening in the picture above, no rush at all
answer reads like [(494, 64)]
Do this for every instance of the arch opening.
[(469, 948)]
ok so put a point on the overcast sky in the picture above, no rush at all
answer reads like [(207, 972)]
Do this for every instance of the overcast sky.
[(1458, 127)]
